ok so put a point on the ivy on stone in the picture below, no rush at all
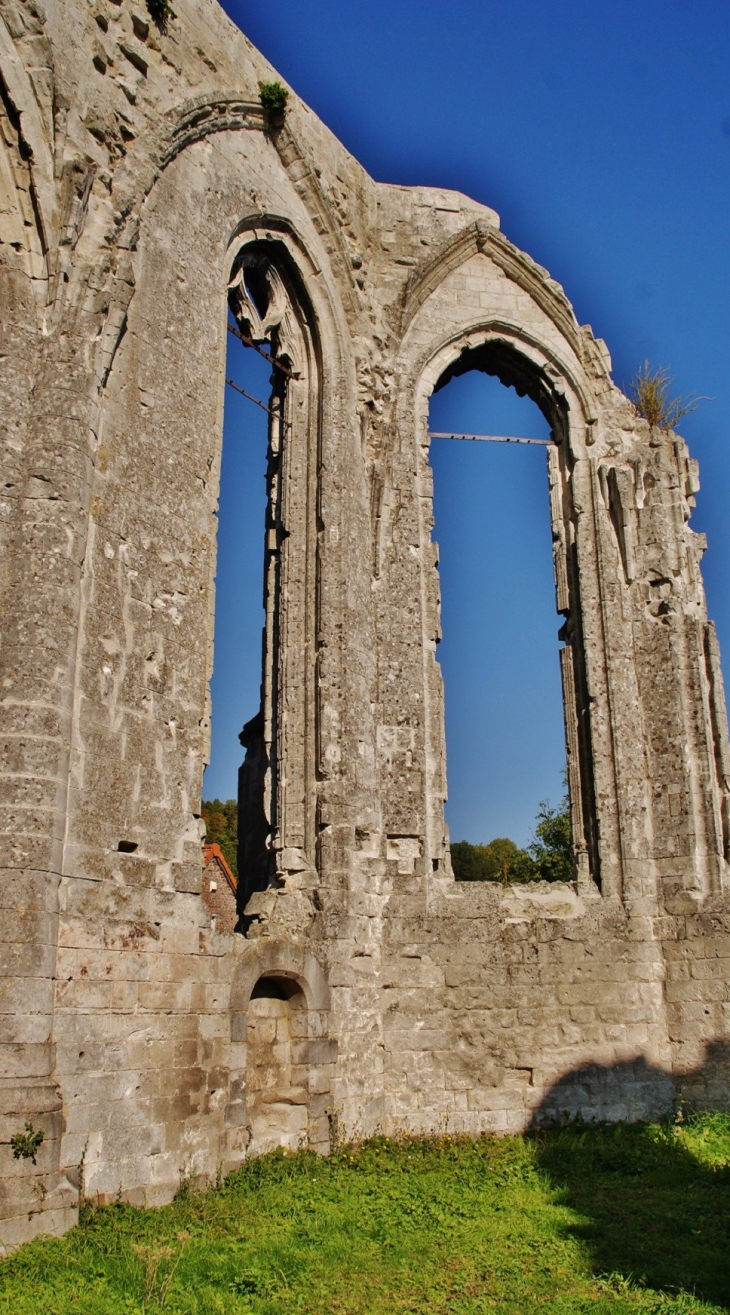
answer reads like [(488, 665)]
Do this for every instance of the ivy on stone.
[(26, 1145)]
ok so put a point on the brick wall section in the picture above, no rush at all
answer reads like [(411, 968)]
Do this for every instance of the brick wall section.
[(219, 889)]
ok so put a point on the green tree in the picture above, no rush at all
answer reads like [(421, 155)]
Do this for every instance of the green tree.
[(221, 828), (552, 849), (548, 857), (500, 860), (469, 862)]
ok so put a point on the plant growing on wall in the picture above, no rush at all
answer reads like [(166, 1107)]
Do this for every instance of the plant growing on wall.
[(649, 391), (273, 99), (26, 1145), (160, 11)]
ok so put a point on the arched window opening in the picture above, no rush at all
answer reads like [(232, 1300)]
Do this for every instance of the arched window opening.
[(277, 1112), (507, 719), (265, 558), (239, 606)]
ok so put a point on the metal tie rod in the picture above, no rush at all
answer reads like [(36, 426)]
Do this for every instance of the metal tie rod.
[(249, 342), (471, 438), (494, 438), (250, 397)]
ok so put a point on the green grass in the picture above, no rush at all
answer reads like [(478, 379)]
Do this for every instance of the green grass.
[(584, 1219)]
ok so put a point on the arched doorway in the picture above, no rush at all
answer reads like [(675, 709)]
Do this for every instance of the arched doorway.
[(282, 1054), (277, 1086)]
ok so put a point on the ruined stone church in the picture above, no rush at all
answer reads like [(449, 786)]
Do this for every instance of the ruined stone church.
[(145, 196)]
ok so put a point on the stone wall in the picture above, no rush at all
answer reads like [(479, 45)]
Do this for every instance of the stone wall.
[(141, 186)]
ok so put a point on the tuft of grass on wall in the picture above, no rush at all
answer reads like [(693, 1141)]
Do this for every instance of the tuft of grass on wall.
[(583, 1219), (649, 391)]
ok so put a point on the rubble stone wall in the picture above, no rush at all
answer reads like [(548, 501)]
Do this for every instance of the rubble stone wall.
[(138, 177)]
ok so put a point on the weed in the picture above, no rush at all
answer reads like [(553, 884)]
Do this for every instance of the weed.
[(273, 98), (334, 1114), (649, 391), (159, 1264), (161, 12), (26, 1145)]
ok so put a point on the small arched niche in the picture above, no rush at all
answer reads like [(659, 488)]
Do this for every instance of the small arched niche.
[(282, 1055), (277, 1076)]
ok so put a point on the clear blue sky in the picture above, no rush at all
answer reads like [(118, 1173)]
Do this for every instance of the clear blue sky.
[(601, 135)]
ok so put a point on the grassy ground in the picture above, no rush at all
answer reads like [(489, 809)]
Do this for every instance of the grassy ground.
[(598, 1220)]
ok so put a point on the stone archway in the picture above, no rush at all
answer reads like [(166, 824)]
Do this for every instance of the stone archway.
[(282, 1052), (521, 361), (277, 1093), (466, 1005)]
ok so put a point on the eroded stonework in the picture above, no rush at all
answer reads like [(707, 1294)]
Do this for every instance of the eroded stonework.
[(143, 191)]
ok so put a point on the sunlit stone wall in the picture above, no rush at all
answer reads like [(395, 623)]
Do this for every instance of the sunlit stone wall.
[(136, 166)]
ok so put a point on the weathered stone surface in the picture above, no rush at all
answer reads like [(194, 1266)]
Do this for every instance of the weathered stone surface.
[(142, 192)]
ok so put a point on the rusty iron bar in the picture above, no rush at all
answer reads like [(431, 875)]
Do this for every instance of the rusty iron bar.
[(251, 398), (249, 342), (474, 438), (494, 438)]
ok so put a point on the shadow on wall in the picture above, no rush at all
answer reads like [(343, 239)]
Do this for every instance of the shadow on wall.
[(652, 1211), (636, 1091)]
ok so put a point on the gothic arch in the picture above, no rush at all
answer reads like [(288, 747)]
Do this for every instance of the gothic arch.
[(545, 367), (309, 287), (278, 958), (484, 236), (277, 800), (517, 358), (182, 126)]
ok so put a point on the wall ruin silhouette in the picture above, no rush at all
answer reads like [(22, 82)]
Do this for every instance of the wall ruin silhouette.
[(143, 191)]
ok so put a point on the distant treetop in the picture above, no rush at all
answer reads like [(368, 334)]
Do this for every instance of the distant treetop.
[(221, 828), (548, 857)]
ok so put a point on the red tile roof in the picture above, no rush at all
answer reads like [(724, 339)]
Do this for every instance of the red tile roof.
[(214, 854)]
